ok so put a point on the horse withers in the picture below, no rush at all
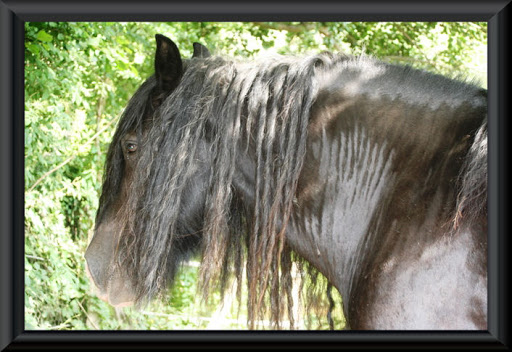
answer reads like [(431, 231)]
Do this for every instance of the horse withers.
[(371, 174)]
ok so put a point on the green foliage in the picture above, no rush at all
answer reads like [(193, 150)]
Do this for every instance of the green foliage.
[(78, 79)]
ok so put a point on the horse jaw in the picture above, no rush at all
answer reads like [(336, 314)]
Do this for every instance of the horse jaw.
[(112, 284)]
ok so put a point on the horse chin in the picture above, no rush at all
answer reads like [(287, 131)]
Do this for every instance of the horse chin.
[(118, 291), (119, 295)]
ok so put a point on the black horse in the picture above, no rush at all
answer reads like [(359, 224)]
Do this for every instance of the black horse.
[(374, 175)]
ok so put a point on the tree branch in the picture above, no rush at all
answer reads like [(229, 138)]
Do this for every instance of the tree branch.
[(87, 315)]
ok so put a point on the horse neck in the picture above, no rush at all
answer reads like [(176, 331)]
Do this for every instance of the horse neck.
[(342, 184), (377, 182)]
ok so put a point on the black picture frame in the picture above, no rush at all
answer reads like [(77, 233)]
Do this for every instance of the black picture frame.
[(13, 14)]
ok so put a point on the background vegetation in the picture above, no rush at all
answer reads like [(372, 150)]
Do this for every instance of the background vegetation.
[(79, 77)]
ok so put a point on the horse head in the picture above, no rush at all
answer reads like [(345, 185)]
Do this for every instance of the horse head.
[(105, 254)]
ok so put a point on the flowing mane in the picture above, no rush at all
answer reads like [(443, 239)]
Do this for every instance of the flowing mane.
[(264, 106)]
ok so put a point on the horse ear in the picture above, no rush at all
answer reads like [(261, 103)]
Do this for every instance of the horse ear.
[(200, 51), (168, 64)]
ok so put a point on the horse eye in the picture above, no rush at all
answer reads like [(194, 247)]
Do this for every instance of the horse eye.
[(131, 147)]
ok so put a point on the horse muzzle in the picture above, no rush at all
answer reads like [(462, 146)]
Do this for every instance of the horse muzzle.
[(112, 284)]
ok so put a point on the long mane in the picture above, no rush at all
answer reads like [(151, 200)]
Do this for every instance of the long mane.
[(257, 110)]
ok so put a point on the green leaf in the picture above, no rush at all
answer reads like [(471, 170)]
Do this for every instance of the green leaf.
[(43, 36), (33, 48)]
